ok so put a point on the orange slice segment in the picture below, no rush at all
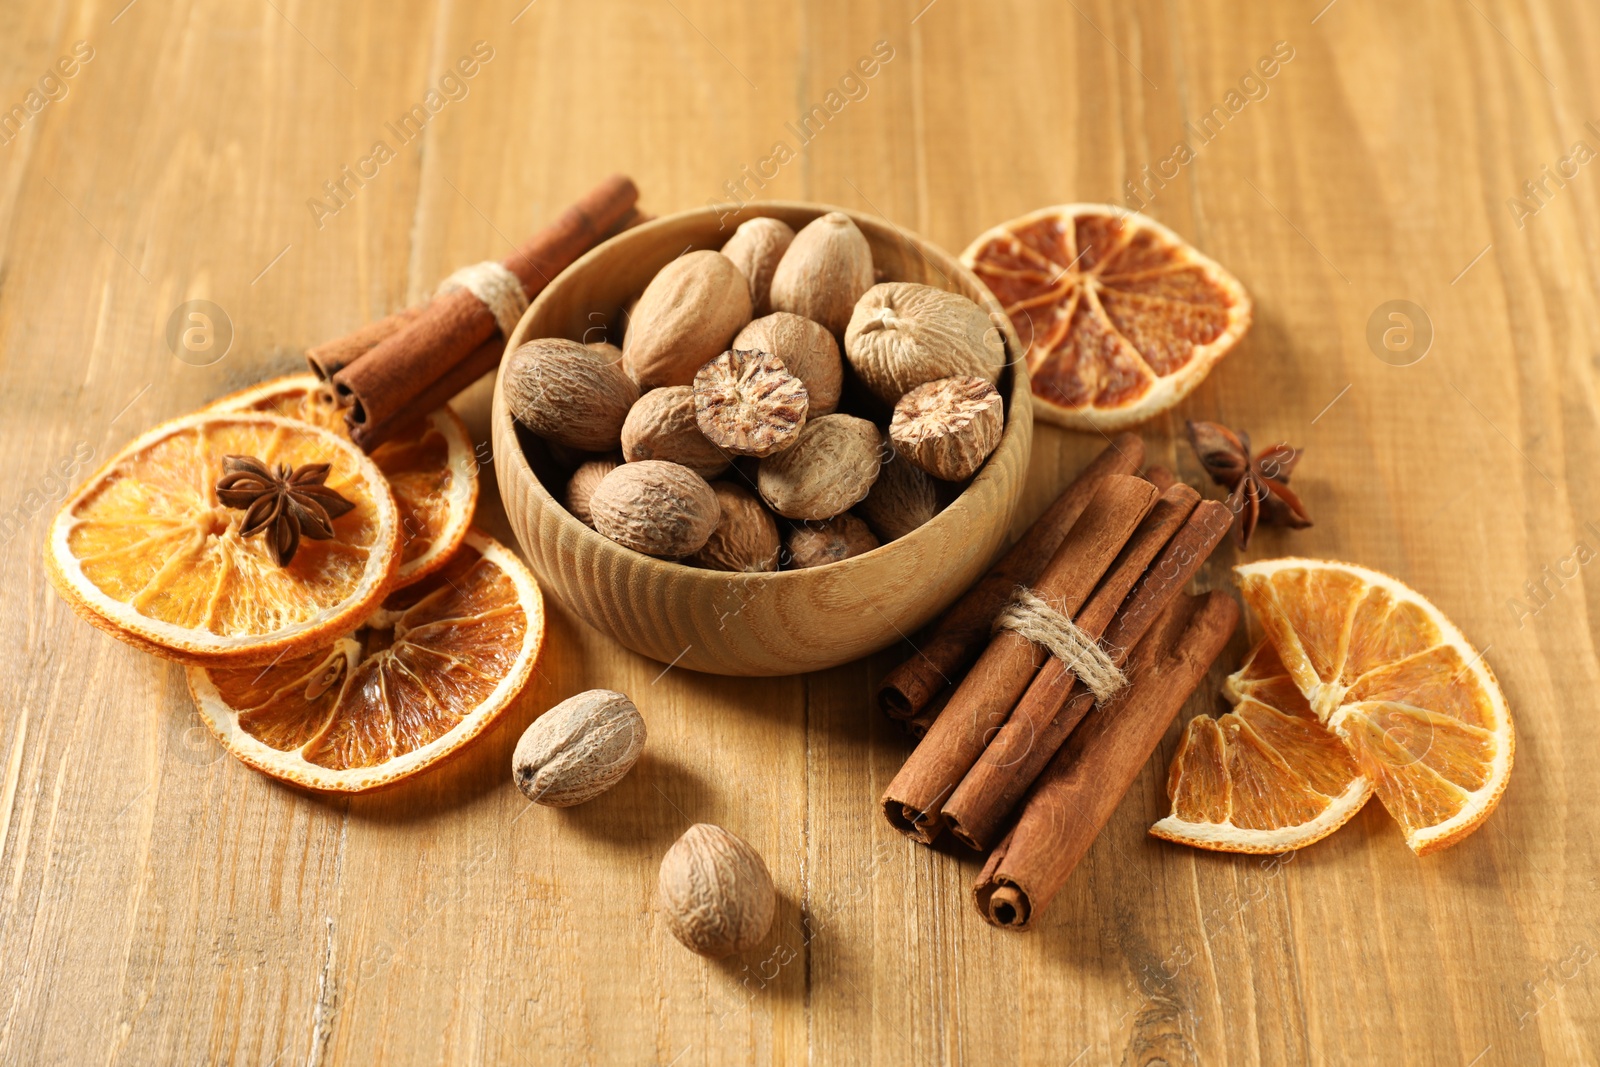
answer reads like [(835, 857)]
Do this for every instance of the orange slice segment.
[(430, 467), (1416, 706), (1121, 317), (1267, 777), (144, 550), (428, 672)]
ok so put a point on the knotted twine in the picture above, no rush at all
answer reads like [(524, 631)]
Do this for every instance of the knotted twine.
[(500, 290), (1031, 615)]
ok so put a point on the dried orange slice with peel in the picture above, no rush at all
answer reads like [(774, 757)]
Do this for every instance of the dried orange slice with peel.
[(1413, 702), (429, 671), (1266, 777), (1121, 317), (431, 468), (144, 550)]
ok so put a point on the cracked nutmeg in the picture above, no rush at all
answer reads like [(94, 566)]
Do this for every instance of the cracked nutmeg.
[(948, 427), (1258, 485), (286, 506), (747, 403)]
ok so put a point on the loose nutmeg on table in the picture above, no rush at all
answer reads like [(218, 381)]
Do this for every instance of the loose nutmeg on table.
[(578, 749), (716, 893)]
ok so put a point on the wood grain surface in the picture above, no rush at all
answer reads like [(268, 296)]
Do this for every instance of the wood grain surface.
[(162, 904)]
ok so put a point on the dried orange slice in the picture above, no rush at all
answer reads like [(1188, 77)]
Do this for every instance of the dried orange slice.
[(1120, 316), (431, 468), (144, 550), (428, 672), (1416, 706), (1267, 776)]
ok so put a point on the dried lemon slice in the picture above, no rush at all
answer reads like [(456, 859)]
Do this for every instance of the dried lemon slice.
[(145, 551), (427, 673), (1414, 704), (1121, 317), (1267, 777), (430, 466)]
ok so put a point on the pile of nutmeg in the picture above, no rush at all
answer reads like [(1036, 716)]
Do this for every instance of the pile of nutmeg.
[(727, 431)]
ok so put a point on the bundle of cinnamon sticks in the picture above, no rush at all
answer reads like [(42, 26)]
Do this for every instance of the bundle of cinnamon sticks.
[(1027, 735), (390, 372)]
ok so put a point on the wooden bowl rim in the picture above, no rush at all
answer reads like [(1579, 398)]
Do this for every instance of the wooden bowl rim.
[(1017, 433)]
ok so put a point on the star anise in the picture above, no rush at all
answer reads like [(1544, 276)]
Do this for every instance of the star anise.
[(1258, 486), (287, 505)]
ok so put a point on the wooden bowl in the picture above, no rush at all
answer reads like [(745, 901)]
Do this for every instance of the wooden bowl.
[(750, 624)]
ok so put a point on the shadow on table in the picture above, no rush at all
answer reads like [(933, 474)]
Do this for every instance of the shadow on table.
[(630, 814)]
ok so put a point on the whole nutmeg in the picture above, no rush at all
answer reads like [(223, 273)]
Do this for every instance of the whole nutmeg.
[(688, 314), (578, 749), (662, 425), (755, 248), (748, 403), (807, 349), (817, 543), (822, 275), (903, 334), (716, 893), (569, 393), (829, 469), (902, 499), (948, 427), (584, 481), (746, 538), (655, 507)]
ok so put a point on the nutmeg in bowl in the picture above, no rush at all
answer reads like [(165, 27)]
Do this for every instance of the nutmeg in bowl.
[(738, 622)]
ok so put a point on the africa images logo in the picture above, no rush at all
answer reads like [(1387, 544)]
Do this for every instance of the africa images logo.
[(454, 86), (51, 88)]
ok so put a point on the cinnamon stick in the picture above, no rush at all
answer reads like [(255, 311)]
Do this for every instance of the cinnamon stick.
[(959, 637), (1055, 702), (918, 727), (1160, 477), (383, 385), (482, 362), (986, 794), (986, 696), (330, 357), (1087, 779)]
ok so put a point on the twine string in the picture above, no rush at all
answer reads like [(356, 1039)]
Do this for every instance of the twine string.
[(1031, 615), (500, 290)]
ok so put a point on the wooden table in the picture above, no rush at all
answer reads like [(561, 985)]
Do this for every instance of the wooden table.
[(163, 904)]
